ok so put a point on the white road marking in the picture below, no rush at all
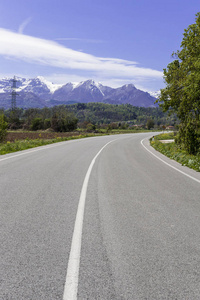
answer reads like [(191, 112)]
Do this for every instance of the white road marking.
[(71, 283), (191, 177)]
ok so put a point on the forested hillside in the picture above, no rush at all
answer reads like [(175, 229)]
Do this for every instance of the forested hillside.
[(99, 113), (82, 115)]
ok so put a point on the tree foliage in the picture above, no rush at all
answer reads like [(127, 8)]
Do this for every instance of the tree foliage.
[(3, 127), (101, 113), (150, 124), (182, 92), (90, 116), (58, 118)]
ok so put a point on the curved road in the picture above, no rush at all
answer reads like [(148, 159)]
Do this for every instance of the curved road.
[(141, 222)]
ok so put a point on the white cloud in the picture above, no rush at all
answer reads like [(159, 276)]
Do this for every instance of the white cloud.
[(23, 25), (50, 53)]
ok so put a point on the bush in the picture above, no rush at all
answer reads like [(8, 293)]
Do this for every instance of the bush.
[(47, 123), (63, 124), (188, 137), (150, 124), (173, 151), (37, 124), (3, 128)]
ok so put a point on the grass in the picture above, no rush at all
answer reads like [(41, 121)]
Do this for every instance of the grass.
[(173, 151), (166, 136), (27, 143), (22, 140)]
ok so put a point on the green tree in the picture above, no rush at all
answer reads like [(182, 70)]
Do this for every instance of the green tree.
[(3, 128), (13, 120), (63, 120), (150, 124), (47, 123), (37, 124), (182, 93)]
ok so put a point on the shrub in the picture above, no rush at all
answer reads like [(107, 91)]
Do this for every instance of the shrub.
[(47, 123), (3, 128), (188, 137), (37, 124), (150, 124)]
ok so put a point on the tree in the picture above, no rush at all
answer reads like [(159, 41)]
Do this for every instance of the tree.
[(150, 124), (3, 128), (182, 93), (13, 120), (63, 120), (37, 124)]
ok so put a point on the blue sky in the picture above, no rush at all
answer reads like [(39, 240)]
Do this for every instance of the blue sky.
[(113, 42)]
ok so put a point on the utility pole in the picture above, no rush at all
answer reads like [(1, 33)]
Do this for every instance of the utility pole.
[(14, 94)]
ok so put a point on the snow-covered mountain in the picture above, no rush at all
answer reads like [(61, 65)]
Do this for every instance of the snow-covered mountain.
[(85, 91), (38, 92), (155, 94)]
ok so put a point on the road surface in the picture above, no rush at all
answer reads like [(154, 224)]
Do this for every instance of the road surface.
[(139, 236)]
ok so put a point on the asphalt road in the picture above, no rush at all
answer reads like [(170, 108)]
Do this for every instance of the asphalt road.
[(141, 225)]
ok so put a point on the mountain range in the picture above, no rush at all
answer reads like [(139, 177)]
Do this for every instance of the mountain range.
[(38, 92)]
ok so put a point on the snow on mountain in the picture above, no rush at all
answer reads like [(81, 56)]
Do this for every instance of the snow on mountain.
[(51, 86), (29, 85), (5, 85), (90, 85), (155, 94), (64, 91), (22, 83), (44, 93)]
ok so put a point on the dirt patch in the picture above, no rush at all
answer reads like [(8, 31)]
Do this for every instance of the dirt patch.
[(16, 135)]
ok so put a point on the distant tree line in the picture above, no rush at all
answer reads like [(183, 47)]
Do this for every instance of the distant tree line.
[(101, 114), (68, 117), (58, 118), (64, 118)]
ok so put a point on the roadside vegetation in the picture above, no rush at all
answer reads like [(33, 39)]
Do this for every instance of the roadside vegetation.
[(22, 140), (182, 94), (27, 128), (174, 151), (18, 145), (3, 128)]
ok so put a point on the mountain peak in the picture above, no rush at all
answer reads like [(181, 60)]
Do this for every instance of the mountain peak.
[(41, 78), (50, 86), (128, 86), (84, 92), (87, 83)]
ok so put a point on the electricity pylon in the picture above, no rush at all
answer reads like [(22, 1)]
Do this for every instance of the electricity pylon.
[(14, 94)]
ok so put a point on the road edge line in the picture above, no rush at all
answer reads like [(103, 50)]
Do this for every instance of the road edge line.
[(191, 177)]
